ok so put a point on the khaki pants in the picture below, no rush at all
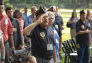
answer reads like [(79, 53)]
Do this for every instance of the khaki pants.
[(73, 33)]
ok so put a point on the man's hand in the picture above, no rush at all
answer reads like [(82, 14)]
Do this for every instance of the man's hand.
[(2, 61), (84, 31), (62, 28), (74, 20), (15, 29), (39, 21), (21, 47), (11, 42), (12, 48), (31, 59), (87, 31)]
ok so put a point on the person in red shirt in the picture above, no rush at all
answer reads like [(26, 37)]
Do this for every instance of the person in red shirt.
[(7, 29)]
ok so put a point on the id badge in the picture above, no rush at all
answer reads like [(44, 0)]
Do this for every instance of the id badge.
[(49, 47), (57, 41)]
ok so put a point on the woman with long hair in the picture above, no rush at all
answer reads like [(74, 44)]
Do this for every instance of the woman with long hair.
[(73, 21)]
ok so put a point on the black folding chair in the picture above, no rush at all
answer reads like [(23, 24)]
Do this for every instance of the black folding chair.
[(65, 50), (73, 52), (69, 48)]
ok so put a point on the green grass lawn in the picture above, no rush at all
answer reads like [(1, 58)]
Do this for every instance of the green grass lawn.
[(66, 31)]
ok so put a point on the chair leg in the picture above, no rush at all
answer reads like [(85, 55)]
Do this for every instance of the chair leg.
[(65, 59)]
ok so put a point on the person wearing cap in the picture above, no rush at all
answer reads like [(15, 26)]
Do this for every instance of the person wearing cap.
[(83, 38), (41, 38), (7, 29), (25, 16)]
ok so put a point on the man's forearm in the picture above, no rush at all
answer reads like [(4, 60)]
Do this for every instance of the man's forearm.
[(29, 28), (60, 44), (82, 32), (55, 56), (11, 41), (2, 50)]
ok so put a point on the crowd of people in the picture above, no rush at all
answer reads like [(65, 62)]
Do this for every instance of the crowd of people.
[(42, 31)]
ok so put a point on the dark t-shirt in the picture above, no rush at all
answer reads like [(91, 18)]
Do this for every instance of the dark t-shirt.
[(58, 24), (82, 39), (40, 37)]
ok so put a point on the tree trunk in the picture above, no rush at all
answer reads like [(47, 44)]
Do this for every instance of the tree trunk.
[(44, 2), (74, 4)]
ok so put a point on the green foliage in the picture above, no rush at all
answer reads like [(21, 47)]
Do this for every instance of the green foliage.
[(60, 3)]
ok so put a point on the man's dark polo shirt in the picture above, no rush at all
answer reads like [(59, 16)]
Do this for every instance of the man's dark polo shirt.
[(82, 39), (59, 22), (40, 37)]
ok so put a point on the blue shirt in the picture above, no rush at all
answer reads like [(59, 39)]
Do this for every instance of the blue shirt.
[(30, 19), (56, 36), (25, 18), (74, 23), (56, 39)]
